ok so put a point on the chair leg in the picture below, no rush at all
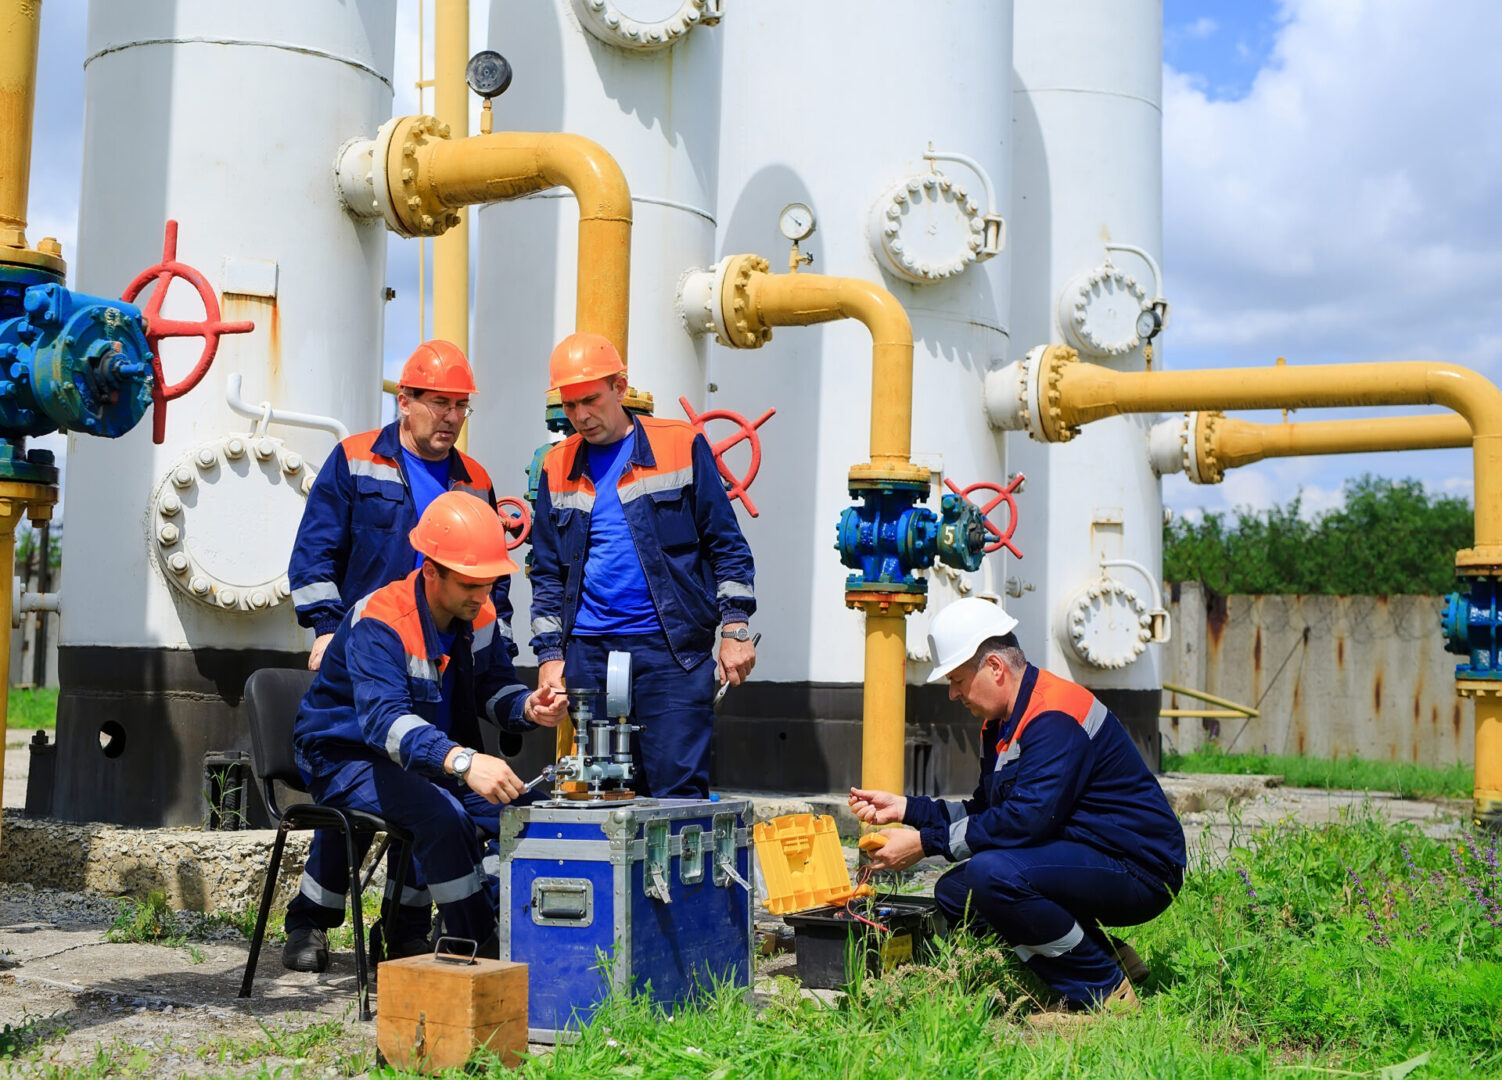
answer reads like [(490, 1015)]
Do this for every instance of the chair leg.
[(362, 976), (375, 861), (273, 871), (403, 864)]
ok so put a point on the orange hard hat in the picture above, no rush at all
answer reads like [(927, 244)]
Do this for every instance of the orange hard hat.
[(582, 358), (463, 533), (439, 366)]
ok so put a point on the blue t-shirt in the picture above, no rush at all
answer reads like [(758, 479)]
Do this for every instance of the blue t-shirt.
[(446, 687), (615, 598), (429, 479)]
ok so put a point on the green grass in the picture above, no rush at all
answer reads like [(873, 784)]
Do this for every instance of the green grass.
[(32, 708), (1355, 774), (1345, 950)]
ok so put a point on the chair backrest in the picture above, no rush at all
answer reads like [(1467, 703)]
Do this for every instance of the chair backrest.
[(272, 697)]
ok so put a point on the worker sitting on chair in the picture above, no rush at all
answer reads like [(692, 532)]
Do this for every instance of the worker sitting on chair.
[(352, 540), (1068, 830), (389, 723)]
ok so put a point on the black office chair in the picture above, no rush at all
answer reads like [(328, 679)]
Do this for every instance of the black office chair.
[(272, 697)]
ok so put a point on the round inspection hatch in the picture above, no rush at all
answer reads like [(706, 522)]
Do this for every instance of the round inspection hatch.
[(926, 229), (644, 24), (1107, 624), (1099, 309), (224, 517)]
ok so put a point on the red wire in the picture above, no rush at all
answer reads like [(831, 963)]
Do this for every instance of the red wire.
[(850, 910)]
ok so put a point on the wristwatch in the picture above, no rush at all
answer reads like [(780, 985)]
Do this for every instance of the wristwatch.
[(462, 761), (742, 634)]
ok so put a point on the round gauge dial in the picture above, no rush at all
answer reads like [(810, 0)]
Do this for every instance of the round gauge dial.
[(796, 221)]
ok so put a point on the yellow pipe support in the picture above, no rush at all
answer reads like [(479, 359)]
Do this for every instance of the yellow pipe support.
[(451, 249), (1078, 394), (1200, 695), (884, 702), (430, 177), (20, 29), (17, 499), (1487, 793), (1232, 443), (1208, 714)]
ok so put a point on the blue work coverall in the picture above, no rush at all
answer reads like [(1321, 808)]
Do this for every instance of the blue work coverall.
[(1067, 831), (371, 736), (698, 568)]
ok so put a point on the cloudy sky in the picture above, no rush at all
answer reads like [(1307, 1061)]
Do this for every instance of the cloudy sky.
[(1332, 193)]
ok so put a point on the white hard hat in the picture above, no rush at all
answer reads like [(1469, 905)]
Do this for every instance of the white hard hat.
[(958, 630)]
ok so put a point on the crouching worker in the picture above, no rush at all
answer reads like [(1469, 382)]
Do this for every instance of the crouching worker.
[(1068, 830), (388, 724)]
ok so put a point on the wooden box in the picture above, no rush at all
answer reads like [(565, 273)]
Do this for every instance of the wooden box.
[(432, 1013)]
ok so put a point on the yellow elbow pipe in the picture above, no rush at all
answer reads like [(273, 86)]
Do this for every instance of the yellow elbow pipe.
[(451, 250), (1071, 394), (429, 178)]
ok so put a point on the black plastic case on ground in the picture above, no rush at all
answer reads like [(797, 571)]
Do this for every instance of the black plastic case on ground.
[(830, 945)]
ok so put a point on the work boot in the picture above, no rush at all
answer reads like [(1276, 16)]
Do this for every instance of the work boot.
[(306, 950), (1135, 967), (1068, 1016)]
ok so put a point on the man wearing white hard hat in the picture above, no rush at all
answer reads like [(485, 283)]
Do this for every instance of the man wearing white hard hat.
[(1067, 831)]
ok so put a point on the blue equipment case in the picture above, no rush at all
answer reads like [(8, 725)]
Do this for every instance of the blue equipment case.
[(577, 883)]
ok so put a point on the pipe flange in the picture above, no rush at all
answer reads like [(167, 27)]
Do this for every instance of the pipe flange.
[(410, 208), (1201, 464), (1098, 311), (743, 329), (221, 521), (926, 228), (613, 22), (1051, 372), (1107, 625)]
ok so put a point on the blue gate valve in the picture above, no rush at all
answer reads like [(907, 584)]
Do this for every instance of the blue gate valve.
[(886, 538), (1472, 626), (73, 362)]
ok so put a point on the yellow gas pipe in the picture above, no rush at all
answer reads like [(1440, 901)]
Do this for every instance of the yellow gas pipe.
[(451, 250), (431, 177), (1229, 443), (1071, 394), (752, 302)]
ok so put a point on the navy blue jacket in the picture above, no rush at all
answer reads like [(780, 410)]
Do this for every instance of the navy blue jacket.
[(377, 693), (697, 564), (1060, 767), (353, 535)]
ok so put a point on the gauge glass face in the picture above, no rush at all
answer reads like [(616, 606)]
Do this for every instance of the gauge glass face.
[(796, 221), (1147, 324)]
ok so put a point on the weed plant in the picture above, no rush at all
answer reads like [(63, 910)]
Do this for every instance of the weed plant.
[(1358, 949), (35, 708), (1406, 780)]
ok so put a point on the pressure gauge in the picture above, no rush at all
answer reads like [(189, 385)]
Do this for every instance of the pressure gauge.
[(1148, 324), (488, 74), (796, 221)]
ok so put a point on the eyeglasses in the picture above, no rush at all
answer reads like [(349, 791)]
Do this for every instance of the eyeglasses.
[(441, 411)]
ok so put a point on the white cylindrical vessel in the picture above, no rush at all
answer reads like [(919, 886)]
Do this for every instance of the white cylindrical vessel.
[(226, 118), (656, 111), (1087, 115), (833, 105)]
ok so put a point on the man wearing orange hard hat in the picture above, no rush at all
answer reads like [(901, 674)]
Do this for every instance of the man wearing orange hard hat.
[(353, 539), (390, 722), (635, 548)]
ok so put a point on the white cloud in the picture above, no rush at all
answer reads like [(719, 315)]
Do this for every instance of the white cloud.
[(1201, 28)]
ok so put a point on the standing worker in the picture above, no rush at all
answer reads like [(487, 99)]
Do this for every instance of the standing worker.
[(635, 548), (353, 539), (1067, 831), (389, 724)]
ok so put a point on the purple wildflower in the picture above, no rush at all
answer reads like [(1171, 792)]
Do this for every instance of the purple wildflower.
[(1366, 907), (1246, 879)]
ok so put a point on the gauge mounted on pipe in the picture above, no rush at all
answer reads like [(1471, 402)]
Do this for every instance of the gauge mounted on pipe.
[(796, 221), (488, 74)]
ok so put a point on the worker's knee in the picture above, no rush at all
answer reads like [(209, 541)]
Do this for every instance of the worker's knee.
[(998, 874)]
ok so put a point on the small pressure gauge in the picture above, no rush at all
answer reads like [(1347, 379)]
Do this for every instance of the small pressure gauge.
[(796, 221), (1148, 324), (488, 74)]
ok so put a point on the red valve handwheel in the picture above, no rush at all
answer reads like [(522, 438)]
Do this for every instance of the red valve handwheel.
[(737, 487), (1003, 495), (158, 328), (519, 524)]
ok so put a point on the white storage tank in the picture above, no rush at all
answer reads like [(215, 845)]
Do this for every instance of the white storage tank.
[(1087, 118), (833, 105), (226, 118)]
